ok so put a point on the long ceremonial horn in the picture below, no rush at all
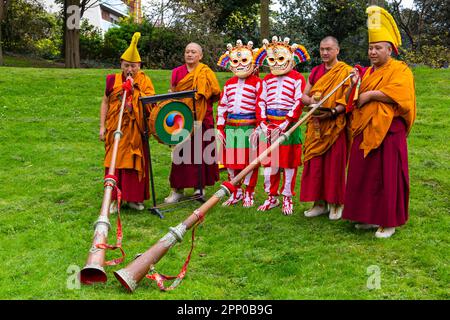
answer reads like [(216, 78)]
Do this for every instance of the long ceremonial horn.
[(132, 274), (93, 271)]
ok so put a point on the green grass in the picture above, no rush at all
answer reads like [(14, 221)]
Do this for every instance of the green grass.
[(51, 190), (21, 61)]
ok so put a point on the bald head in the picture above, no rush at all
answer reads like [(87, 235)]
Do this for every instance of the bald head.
[(193, 54), (196, 46), (329, 50), (331, 39)]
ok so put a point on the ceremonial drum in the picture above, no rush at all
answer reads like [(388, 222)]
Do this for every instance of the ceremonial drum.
[(171, 122)]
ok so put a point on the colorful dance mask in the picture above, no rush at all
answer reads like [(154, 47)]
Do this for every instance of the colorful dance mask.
[(238, 59), (279, 56)]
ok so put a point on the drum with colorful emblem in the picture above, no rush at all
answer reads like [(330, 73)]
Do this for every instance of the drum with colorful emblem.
[(171, 122)]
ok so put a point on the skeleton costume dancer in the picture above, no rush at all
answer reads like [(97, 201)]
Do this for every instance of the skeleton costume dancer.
[(278, 107), (236, 119)]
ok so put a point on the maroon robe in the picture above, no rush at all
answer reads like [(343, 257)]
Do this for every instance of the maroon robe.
[(378, 185), (188, 175)]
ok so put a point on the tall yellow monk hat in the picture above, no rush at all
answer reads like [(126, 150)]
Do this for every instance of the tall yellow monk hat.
[(382, 27), (132, 54)]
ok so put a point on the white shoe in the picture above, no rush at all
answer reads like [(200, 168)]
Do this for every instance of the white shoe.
[(335, 211), (316, 211), (235, 198), (174, 197), (288, 206), (198, 192), (365, 226), (139, 206), (249, 199), (384, 232), (113, 207), (270, 203)]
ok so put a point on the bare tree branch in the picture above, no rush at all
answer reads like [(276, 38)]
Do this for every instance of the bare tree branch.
[(405, 26), (87, 4)]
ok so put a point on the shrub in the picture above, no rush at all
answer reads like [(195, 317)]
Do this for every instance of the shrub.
[(117, 39), (435, 56), (47, 49), (91, 42)]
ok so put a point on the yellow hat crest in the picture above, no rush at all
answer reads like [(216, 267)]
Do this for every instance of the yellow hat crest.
[(382, 27), (132, 54)]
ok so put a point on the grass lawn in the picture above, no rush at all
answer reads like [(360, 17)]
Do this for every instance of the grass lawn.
[(52, 188)]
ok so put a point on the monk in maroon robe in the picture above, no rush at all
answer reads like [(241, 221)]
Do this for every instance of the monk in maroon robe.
[(325, 147), (198, 172)]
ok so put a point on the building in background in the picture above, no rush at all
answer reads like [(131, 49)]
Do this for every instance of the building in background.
[(104, 14)]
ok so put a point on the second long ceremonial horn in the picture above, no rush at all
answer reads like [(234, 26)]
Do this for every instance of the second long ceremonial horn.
[(132, 274)]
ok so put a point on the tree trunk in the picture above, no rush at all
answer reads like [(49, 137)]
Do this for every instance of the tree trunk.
[(72, 48), (3, 5), (71, 35), (265, 27), (1, 51)]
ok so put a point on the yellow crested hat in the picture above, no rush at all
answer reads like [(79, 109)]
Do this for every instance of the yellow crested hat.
[(382, 27), (132, 54)]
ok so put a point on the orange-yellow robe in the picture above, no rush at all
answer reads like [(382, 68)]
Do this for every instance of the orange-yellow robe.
[(205, 82), (325, 147), (131, 153), (373, 120)]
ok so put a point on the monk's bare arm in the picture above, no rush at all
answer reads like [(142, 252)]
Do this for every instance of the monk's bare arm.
[(347, 93), (306, 99), (375, 95), (354, 80), (103, 111)]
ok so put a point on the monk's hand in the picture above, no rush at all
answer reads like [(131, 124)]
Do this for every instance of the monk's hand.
[(316, 97), (363, 99), (130, 77), (102, 133), (355, 76), (131, 80), (221, 136), (321, 115), (307, 100)]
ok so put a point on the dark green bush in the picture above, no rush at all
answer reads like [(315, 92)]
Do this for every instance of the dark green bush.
[(91, 42)]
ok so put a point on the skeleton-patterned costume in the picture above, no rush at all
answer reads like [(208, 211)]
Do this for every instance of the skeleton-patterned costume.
[(278, 108), (236, 118)]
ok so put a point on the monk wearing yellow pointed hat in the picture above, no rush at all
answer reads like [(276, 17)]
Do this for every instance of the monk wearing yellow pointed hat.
[(131, 163), (377, 192)]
